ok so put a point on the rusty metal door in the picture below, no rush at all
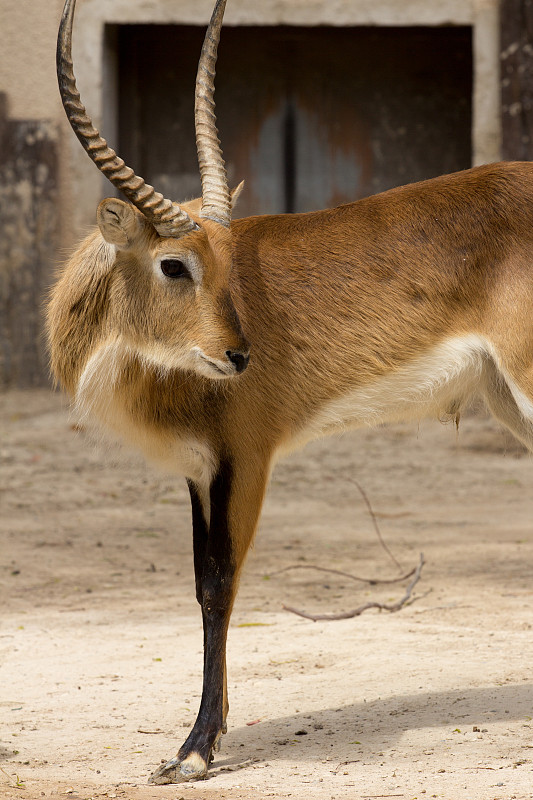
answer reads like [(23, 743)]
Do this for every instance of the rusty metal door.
[(310, 117)]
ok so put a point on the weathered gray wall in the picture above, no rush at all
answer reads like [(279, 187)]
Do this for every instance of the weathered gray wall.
[(517, 78), (30, 124), (28, 243)]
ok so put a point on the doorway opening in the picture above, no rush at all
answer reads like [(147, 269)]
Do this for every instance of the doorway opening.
[(310, 117)]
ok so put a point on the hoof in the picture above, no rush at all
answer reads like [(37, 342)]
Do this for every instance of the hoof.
[(192, 768)]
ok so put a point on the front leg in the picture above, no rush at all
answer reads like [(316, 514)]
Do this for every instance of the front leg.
[(222, 534), (200, 527)]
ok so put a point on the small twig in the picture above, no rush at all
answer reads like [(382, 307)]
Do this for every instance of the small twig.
[(343, 764), (356, 612), (374, 520), (371, 581), (142, 730), (18, 784)]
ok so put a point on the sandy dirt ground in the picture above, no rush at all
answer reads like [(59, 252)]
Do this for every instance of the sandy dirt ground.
[(100, 634)]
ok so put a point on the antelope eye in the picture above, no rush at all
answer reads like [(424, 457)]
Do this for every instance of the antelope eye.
[(174, 268)]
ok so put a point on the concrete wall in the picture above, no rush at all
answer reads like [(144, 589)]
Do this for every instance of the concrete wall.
[(28, 243), (30, 205), (28, 31), (27, 56)]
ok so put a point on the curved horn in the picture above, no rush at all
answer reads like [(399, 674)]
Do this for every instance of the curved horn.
[(216, 200), (167, 217)]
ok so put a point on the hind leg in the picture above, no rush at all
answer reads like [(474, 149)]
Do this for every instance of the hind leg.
[(510, 403)]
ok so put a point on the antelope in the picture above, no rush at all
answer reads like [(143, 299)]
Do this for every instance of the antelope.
[(216, 347)]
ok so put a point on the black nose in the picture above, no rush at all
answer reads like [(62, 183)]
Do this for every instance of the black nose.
[(239, 360)]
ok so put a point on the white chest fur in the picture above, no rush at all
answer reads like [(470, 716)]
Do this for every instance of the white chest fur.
[(97, 399)]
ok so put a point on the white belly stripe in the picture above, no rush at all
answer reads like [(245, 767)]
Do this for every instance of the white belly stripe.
[(428, 386)]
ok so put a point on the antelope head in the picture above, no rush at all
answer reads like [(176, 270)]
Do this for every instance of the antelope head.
[(167, 264)]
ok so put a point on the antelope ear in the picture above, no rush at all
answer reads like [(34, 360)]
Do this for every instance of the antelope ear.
[(235, 194), (119, 222)]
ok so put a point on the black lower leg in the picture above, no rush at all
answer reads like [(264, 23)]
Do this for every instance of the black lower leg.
[(200, 535), (215, 590)]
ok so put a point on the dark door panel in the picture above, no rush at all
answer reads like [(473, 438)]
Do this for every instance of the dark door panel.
[(310, 117)]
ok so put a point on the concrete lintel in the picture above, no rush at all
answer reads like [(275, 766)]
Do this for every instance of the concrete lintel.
[(288, 12)]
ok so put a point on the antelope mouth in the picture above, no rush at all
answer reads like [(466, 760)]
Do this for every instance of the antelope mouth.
[(226, 372), (212, 367)]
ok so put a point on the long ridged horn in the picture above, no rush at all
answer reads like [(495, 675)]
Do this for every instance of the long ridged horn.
[(167, 217), (216, 200)]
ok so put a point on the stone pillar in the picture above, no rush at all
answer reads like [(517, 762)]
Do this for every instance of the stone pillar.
[(516, 45)]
